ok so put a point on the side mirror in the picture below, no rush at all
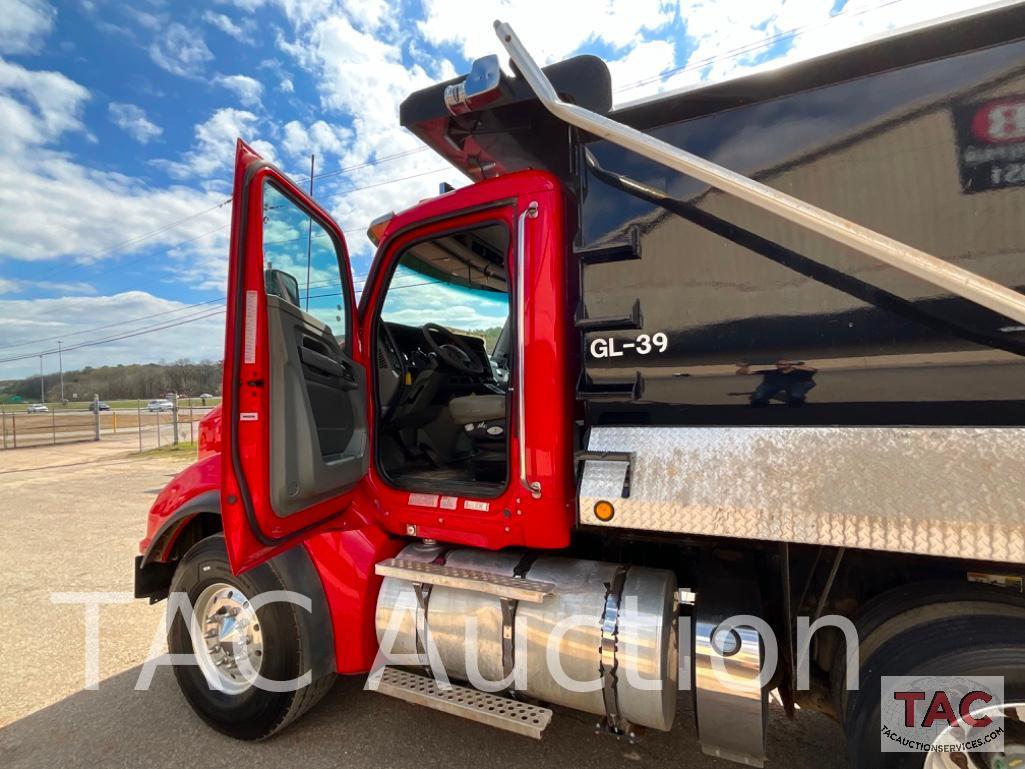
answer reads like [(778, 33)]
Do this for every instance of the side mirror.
[(282, 284)]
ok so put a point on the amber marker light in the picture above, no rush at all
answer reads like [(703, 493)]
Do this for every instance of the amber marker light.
[(604, 511)]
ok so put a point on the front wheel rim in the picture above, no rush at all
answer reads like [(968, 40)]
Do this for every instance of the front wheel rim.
[(227, 638)]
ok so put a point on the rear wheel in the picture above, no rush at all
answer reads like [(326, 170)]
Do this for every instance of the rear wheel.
[(963, 645), (235, 643)]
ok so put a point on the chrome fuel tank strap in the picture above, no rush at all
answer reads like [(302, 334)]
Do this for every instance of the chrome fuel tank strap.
[(614, 720)]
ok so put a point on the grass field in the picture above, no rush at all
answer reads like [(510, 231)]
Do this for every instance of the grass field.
[(184, 448)]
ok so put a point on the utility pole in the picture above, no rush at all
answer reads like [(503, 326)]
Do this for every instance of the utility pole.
[(42, 382), (60, 364), (309, 238)]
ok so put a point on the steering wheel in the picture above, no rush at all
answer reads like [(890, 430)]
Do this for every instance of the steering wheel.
[(453, 352)]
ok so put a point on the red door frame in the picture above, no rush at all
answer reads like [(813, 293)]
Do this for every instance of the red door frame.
[(253, 533), (514, 517)]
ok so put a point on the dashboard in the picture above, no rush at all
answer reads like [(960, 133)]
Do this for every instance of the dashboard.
[(408, 368)]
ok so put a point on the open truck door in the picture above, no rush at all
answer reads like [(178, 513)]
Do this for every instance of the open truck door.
[(295, 399)]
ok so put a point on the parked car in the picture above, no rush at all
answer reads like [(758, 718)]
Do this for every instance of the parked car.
[(98, 406), (160, 404), (38, 408)]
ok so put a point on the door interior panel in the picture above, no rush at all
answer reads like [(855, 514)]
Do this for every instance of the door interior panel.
[(318, 435)]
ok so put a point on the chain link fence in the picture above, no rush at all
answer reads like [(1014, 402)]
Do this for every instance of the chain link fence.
[(139, 424)]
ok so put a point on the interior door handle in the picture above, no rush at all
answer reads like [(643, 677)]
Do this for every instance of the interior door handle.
[(329, 366)]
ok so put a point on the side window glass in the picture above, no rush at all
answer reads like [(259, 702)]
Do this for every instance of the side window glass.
[(301, 262), (457, 281)]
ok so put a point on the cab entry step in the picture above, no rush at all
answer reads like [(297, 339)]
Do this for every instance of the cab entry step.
[(515, 588), (484, 708)]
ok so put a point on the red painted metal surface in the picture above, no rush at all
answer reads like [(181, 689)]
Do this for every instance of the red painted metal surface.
[(198, 478), (345, 561), (210, 433), (343, 558), (513, 518), (253, 532)]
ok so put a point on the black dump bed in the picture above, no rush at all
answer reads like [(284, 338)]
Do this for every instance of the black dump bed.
[(700, 309)]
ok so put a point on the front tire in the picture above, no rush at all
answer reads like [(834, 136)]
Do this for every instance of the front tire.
[(235, 641)]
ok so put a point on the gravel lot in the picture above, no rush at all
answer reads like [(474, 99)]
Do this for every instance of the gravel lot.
[(73, 516)]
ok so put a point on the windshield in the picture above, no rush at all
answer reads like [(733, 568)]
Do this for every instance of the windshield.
[(457, 281)]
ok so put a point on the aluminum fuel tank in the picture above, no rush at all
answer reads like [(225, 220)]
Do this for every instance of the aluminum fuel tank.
[(558, 643)]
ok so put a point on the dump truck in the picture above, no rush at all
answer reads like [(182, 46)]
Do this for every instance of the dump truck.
[(718, 394)]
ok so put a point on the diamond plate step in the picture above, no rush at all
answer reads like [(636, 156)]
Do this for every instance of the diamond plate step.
[(529, 590), (484, 708)]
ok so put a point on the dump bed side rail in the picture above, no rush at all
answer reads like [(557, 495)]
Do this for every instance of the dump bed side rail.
[(957, 280)]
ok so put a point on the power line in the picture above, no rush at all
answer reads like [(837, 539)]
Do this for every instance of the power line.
[(360, 166), (122, 264), (737, 52), (387, 181), (201, 315), (128, 321), (107, 340), (361, 279), (136, 239)]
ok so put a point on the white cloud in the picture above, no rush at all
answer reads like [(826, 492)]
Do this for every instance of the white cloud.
[(413, 300), (62, 287), (640, 61), (24, 320), (214, 147), (369, 14), (320, 138), (243, 31), (24, 25), (60, 208), (246, 5), (132, 120), (37, 107), (358, 73), (361, 76), (286, 86), (46, 286), (247, 89), (146, 20), (736, 38), (180, 51), (550, 30)]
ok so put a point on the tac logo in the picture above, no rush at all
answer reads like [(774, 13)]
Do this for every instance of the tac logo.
[(941, 709), (941, 714)]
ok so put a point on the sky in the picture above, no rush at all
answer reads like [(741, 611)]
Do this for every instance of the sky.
[(118, 123)]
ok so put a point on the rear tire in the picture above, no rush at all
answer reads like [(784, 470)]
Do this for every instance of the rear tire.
[(974, 645), (246, 712)]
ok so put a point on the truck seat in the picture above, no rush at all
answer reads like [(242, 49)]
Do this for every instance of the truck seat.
[(471, 409)]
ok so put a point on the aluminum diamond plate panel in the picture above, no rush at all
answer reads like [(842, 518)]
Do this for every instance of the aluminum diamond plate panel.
[(927, 490)]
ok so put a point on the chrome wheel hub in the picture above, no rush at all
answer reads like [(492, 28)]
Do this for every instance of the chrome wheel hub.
[(231, 652), (1010, 717)]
